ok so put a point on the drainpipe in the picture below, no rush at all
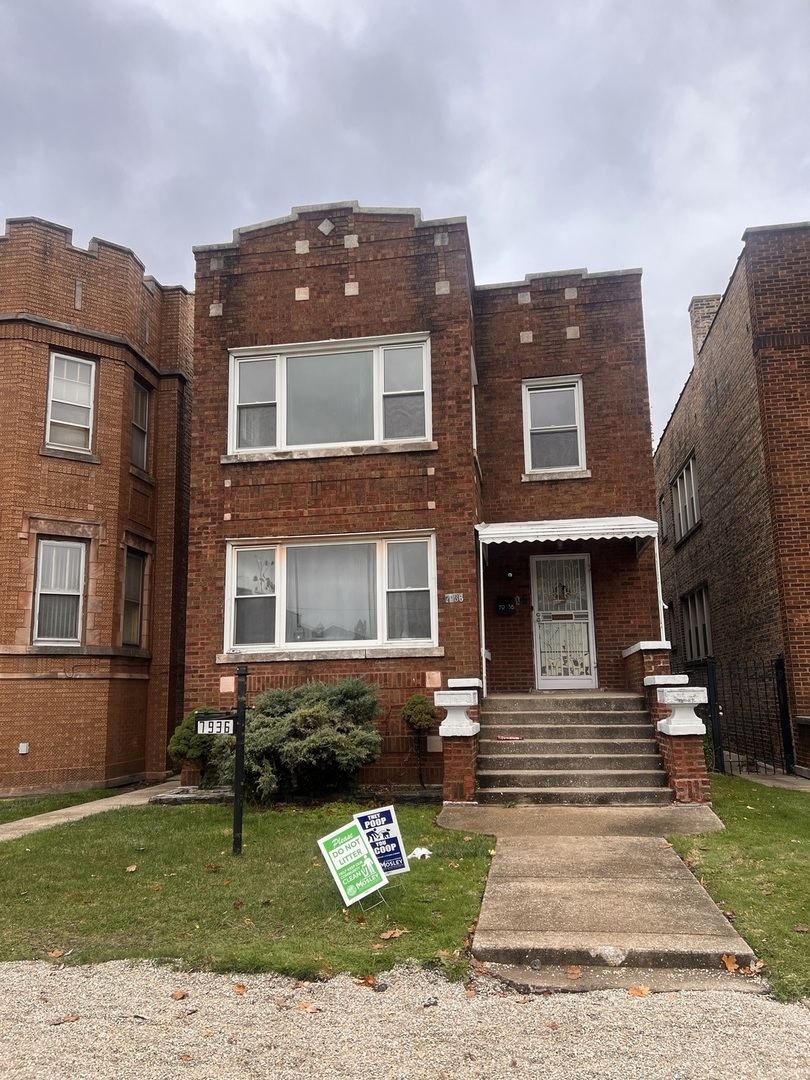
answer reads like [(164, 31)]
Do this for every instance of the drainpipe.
[(660, 593)]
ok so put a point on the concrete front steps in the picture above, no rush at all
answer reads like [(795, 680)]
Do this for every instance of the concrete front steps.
[(574, 748)]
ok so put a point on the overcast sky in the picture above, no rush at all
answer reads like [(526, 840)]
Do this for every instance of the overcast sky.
[(600, 133)]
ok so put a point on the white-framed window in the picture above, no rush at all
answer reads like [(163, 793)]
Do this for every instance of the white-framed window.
[(140, 425), (60, 591), (133, 597), (71, 391), (331, 593), (697, 635), (686, 508), (553, 426), (330, 393)]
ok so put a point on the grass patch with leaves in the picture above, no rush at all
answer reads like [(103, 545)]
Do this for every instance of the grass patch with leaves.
[(758, 871), (160, 882), (14, 809)]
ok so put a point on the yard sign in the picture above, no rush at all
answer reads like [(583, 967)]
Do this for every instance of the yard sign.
[(352, 863), (382, 832)]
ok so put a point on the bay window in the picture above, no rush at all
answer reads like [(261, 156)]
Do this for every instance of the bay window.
[(59, 592)]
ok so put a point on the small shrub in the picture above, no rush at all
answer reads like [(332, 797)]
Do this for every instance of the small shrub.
[(311, 740), (420, 715), (187, 745)]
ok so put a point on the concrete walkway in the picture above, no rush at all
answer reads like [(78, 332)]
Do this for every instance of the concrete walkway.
[(140, 797), (599, 889)]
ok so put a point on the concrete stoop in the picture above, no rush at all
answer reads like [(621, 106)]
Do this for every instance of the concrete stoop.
[(578, 748)]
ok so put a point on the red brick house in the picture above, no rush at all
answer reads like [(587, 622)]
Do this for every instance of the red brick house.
[(96, 369), (731, 472), (401, 474)]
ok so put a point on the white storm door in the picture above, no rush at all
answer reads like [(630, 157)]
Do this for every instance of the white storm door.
[(564, 651)]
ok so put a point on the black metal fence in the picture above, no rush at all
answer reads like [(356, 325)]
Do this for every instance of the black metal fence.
[(747, 715)]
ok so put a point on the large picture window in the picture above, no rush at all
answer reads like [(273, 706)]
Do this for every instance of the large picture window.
[(553, 429), (330, 394), (60, 588), (325, 594), (70, 403)]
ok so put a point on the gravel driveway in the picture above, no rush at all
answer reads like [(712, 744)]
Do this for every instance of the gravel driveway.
[(119, 1020)]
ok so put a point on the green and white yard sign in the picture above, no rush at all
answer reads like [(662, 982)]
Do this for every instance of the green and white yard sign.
[(352, 863)]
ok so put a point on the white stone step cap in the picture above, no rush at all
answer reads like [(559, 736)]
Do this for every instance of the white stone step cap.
[(666, 680), (465, 684), (448, 699), (694, 695)]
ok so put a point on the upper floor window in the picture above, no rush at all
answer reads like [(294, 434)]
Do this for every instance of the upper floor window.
[(697, 636), (321, 394), (60, 589), (321, 595), (70, 402), (133, 597), (685, 500), (140, 426), (553, 428)]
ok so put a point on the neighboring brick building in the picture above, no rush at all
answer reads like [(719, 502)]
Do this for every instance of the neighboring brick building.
[(732, 472), (96, 369), (379, 443)]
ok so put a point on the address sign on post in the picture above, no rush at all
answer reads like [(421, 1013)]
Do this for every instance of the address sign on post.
[(218, 725)]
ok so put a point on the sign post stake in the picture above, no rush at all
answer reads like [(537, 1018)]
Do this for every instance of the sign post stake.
[(239, 769)]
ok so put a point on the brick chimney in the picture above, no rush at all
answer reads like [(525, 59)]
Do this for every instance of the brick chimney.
[(702, 309)]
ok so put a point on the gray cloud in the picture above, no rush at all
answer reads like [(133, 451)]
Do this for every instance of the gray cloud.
[(605, 133)]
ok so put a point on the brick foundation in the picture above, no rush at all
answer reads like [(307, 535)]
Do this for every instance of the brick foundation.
[(685, 762), (460, 759)]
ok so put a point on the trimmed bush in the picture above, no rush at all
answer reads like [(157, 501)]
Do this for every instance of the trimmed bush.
[(187, 745), (311, 741)]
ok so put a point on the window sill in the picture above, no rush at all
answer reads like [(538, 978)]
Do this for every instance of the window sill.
[(698, 525), (75, 650), (69, 455), (361, 450), (375, 652), (142, 475), (561, 474)]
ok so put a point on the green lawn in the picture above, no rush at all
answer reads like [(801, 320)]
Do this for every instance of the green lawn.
[(67, 892), (759, 870), (13, 809)]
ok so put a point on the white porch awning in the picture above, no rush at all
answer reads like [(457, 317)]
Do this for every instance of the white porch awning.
[(605, 528)]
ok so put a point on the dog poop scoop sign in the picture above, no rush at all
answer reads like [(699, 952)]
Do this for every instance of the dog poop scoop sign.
[(352, 863)]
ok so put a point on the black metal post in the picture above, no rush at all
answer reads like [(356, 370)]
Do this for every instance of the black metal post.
[(239, 769), (788, 754), (714, 715)]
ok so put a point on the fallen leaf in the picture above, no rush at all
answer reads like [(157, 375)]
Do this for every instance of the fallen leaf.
[(178, 995), (639, 991), (468, 838), (730, 960), (157, 888), (553, 1025), (800, 929), (367, 980), (388, 934), (132, 869), (574, 971), (308, 1007), (69, 1019), (186, 1057), (56, 953), (377, 945), (470, 992), (265, 903), (492, 851), (238, 904), (240, 988), (213, 866)]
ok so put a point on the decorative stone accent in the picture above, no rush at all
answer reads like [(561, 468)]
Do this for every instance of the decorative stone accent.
[(302, 247), (351, 288), (441, 239), (214, 310), (526, 337), (683, 719), (302, 293), (572, 332), (571, 293), (351, 240), (442, 288), (326, 227), (457, 702), (524, 297)]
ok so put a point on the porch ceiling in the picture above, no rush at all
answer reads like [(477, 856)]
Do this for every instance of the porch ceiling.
[(605, 528)]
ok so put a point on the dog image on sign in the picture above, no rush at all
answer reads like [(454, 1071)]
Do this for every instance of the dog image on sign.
[(381, 829), (352, 863)]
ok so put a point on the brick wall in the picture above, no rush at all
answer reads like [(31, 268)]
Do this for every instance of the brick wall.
[(99, 711), (408, 276)]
